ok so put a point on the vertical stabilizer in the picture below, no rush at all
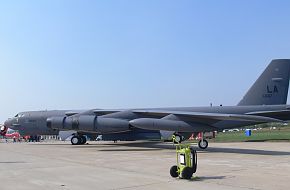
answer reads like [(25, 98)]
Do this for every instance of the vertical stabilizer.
[(271, 88)]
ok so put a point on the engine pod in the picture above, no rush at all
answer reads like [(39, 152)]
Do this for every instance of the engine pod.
[(55, 122), (111, 125), (91, 123)]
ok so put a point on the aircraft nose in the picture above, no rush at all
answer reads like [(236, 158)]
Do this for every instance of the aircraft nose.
[(9, 123)]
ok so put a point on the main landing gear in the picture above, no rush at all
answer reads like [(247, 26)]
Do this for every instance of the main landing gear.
[(202, 144), (177, 138), (78, 140)]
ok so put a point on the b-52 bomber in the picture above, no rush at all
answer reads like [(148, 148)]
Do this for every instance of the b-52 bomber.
[(264, 102)]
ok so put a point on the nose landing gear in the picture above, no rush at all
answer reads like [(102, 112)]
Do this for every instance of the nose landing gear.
[(177, 138)]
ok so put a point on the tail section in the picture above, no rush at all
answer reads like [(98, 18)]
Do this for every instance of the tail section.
[(271, 88)]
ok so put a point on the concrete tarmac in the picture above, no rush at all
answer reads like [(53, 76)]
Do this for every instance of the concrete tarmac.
[(141, 165)]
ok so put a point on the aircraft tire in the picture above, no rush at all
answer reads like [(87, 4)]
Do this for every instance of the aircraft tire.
[(186, 173), (173, 171), (178, 139), (203, 145), (75, 140)]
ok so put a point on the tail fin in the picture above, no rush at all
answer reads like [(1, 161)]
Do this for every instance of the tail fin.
[(271, 88)]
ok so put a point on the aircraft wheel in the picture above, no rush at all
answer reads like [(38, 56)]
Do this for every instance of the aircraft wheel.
[(186, 173), (203, 144), (173, 171), (75, 140), (83, 140), (178, 139)]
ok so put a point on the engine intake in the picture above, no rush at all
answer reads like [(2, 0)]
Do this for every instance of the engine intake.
[(55, 122)]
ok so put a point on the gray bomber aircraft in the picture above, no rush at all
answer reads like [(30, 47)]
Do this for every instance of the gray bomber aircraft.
[(264, 102), (35, 123)]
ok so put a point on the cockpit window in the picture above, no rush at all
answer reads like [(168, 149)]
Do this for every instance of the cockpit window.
[(19, 115)]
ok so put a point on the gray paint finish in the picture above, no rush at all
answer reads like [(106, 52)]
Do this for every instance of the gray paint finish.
[(271, 88)]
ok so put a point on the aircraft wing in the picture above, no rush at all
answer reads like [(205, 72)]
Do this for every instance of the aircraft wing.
[(269, 112), (100, 112), (207, 118), (277, 114), (190, 121), (70, 113)]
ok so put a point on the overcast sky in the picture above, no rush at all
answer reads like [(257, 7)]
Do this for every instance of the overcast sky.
[(66, 54)]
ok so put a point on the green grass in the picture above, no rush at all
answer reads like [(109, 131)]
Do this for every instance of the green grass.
[(261, 135)]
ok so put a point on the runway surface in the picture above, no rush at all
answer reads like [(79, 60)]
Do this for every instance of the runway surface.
[(141, 165)]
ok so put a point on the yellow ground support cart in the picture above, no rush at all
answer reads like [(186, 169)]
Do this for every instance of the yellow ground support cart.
[(186, 162)]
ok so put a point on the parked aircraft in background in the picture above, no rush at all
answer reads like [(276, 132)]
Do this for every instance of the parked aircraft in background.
[(264, 102)]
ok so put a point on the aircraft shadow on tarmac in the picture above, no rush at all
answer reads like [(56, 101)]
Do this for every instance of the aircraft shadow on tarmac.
[(204, 178), (108, 146), (15, 162), (156, 145), (248, 151), (130, 150), (159, 145), (131, 146)]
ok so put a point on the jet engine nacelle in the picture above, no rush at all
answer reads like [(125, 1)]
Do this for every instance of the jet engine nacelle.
[(88, 123), (55, 122)]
